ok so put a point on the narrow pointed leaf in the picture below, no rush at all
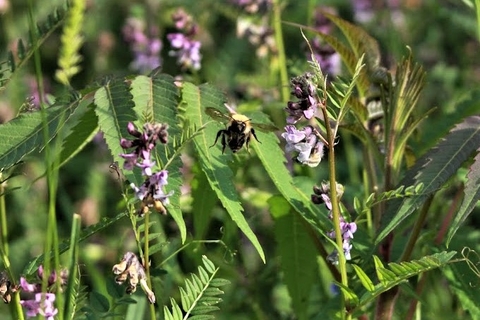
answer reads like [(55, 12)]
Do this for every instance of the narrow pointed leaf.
[(24, 134), (298, 255), (433, 170), (114, 111), (470, 200), (212, 162), (364, 279), (156, 100)]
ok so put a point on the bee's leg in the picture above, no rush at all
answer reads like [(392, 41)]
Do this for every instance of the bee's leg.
[(247, 143), (254, 135), (218, 135), (224, 142)]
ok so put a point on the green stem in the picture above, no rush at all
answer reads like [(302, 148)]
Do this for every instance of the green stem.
[(3, 219), (477, 7), (282, 60), (335, 206), (51, 243), (146, 262), (417, 228)]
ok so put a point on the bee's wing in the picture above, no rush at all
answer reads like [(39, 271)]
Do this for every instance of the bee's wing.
[(216, 114), (265, 127)]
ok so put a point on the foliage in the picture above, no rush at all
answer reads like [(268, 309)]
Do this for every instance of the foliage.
[(135, 165)]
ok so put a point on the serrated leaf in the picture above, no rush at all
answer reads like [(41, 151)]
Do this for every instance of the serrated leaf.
[(204, 200), (470, 199), (298, 255), (156, 100), (114, 111), (269, 153), (219, 175), (24, 134), (360, 41), (433, 170), (81, 134), (24, 54)]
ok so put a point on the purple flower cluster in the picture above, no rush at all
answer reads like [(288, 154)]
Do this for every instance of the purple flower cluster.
[(364, 10), (186, 49), (151, 191), (146, 48), (305, 90), (41, 303), (328, 59), (322, 195), (307, 141), (131, 268)]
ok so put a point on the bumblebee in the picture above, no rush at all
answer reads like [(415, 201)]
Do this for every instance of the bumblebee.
[(239, 129)]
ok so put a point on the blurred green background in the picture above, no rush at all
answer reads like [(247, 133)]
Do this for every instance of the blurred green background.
[(441, 35)]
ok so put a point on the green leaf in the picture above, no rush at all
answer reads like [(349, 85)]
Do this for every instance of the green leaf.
[(405, 270), (298, 255), (219, 282), (202, 317), (99, 302), (33, 265), (212, 162), (273, 160), (156, 100), (364, 279), (204, 200), (433, 170), (73, 283), (81, 134), (360, 41), (24, 134), (470, 199), (208, 264), (114, 111), (24, 54)]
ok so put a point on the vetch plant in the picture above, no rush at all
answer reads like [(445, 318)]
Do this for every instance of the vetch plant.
[(359, 208)]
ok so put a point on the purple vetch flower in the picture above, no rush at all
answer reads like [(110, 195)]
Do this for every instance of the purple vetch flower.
[(34, 301), (143, 144), (151, 192), (306, 143), (42, 305), (146, 48), (186, 49), (347, 229), (304, 89)]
